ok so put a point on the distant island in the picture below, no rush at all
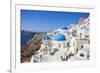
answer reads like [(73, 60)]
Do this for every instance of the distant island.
[(25, 32)]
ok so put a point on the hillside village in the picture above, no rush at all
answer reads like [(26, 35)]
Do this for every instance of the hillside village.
[(65, 43)]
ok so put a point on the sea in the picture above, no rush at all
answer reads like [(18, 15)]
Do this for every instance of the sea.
[(25, 38)]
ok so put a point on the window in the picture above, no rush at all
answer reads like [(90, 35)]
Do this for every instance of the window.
[(82, 55), (82, 46), (59, 45), (68, 44), (80, 35)]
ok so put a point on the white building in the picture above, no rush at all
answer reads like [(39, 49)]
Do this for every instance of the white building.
[(65, 44)]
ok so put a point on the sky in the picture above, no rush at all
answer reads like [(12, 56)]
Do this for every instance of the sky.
[(46, 21)]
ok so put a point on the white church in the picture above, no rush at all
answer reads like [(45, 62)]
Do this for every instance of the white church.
[(65, 43)]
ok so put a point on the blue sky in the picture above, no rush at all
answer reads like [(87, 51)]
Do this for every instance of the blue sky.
[(45, 21)]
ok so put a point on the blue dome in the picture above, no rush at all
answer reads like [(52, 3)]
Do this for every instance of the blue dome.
[(64, 28), (59, 37), (46, 37)]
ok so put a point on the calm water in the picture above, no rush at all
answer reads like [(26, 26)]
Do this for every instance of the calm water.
[(25, 38)]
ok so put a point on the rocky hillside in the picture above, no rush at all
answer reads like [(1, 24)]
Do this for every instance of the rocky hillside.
[(28, 49)]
